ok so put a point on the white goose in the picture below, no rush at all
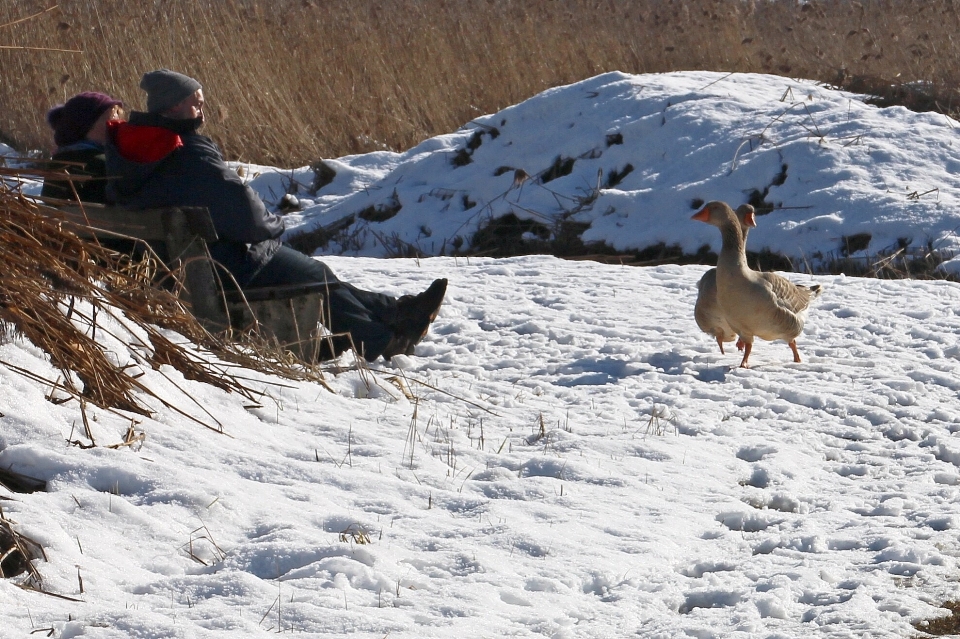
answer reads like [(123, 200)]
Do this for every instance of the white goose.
[(707, 311), (763, 305)]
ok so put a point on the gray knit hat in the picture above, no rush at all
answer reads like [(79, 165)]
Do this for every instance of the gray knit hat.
[(166, 89)]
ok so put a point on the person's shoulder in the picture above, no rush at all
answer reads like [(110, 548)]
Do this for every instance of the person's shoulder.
[(78, 153), (195, 139), (202, 148)]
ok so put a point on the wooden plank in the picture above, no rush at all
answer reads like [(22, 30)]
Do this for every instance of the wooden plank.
[(146, 224), (184, 231), (188, 251), (200, 223), (280, 292), (91, 219), (292, 323)]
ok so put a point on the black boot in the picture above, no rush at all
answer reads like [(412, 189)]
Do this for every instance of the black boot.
[(415, 313), (398, 345), (331, 347)]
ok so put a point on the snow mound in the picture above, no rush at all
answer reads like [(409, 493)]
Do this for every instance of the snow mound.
[(622, 161)]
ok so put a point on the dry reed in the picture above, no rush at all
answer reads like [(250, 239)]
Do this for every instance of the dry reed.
[(17, 552), (291, 81), (62, 292)]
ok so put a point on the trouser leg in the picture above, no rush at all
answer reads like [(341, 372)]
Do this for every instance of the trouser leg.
[(366, 316)]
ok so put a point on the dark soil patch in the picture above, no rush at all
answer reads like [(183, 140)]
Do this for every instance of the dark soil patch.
[(383, 211), (614, 138), (916, 96), (561, 166), (323, 175), (461, 158), (14, 562), (464, 156), (850, 244), (508, 235), (17, 552), (319, 237), (504, 237), (758, 198), (615, 177), (942, 626)]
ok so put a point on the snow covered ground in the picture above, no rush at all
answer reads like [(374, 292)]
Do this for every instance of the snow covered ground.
[(566, 455)]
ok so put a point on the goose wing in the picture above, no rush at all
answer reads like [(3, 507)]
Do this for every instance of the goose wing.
[(794, 298)]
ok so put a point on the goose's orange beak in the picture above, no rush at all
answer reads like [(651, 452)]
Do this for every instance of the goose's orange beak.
[(702, 215)]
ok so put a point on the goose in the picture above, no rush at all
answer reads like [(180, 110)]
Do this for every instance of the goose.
[(755, 304), (707, 311)]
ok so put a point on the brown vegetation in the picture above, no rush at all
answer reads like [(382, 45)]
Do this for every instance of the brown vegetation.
[(290, 81), (942, 626), (64, 294)]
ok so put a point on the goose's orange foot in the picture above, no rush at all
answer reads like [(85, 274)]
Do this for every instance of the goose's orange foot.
[(796, 353), (747, 347)]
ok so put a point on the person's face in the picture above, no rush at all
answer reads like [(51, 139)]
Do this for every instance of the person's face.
[(188, 109), (98, 132)]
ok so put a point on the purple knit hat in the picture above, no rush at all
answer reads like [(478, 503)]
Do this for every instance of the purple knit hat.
[(72, 120)]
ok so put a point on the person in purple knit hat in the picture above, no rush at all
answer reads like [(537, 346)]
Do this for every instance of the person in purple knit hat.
[(80, 133)]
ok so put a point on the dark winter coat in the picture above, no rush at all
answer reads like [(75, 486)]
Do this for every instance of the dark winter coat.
[(84, 158), (154, 161)]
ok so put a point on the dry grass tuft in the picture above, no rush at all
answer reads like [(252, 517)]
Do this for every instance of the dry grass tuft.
[(291, 81), (17, 552), (64, 294), (355, 534), (942, 626)]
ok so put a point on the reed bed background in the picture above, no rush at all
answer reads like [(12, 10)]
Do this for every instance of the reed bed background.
[(292, 81)]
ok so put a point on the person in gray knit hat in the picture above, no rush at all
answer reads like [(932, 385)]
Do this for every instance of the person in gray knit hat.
[(158, 159), (166, 89)]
